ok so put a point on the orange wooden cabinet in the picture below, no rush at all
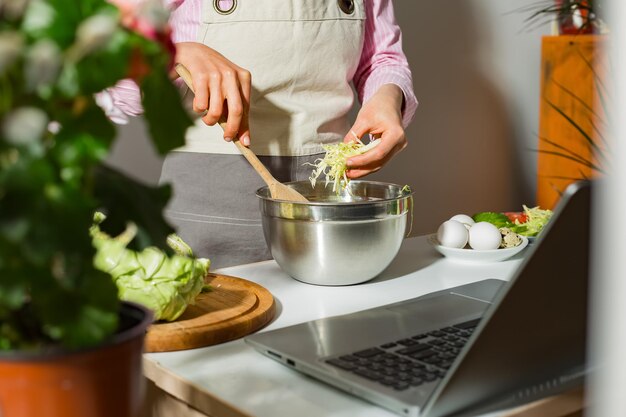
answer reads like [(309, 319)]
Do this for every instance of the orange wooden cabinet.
[(574, 93)]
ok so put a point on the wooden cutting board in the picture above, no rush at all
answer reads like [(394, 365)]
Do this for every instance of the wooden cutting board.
[(234, 308)]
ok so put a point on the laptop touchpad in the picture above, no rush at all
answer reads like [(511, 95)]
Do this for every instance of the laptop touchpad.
[(441, 309), (485, 290)]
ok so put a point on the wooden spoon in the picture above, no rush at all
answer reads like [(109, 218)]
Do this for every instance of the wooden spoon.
[(278, 191)]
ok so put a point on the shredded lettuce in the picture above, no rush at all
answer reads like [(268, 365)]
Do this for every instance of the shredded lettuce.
[(165, 284), (333, 165), (536, 220)]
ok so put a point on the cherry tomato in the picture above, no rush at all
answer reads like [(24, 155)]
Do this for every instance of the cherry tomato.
[(520, 216)]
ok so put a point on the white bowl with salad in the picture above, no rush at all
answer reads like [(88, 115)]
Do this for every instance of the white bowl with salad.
[(469, 255), (529, 222), (488, 236)]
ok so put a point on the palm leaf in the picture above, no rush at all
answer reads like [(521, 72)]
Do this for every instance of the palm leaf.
[(576, 126), (583, 175), (578, 160), (568, 151), (548, 8), (603, 91), (600, 134), (590, 109), (596, 76), (576, 98), (566, 178)]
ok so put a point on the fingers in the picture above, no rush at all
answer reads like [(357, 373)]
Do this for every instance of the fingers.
[(201, 87), (381, 117), (222, 89), (245, 80), (216, 100), (358, 130), (229, 99), (362, 170), (370, 161), (235, 105), (244, 135), (391, 142)]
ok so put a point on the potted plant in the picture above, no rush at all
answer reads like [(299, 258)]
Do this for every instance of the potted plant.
[(68, 346), (573, 142), (571, 17)]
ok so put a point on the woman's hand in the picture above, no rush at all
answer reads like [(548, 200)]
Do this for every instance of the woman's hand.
[(380, 116), (222, 89)]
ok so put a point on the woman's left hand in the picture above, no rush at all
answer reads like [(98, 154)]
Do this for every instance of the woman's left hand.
[(380, 116)]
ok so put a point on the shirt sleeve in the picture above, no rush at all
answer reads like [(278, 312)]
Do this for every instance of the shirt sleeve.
[(185, 19), (382, 59), (124, 99)]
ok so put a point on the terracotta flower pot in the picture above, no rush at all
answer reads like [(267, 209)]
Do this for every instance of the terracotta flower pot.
[(105, 381)]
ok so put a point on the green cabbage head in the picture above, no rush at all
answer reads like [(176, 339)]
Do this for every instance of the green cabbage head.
[(163, 283)]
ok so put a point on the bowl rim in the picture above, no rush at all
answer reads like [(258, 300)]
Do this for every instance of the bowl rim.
[(408, 193)]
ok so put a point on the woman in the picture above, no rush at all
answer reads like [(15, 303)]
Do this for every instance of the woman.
[(280, 72)]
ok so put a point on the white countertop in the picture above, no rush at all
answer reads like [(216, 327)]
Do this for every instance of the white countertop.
[(236, 374)]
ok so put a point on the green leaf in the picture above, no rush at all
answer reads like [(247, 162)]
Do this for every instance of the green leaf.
[(68, 83), (126, 200), (111, 62), (519, 229), (497, 219), (82, 321), (62, 17), (13, 296), (167, 124), (84, 140)]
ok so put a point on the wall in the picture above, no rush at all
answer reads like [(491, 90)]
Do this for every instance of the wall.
[(475, 66), (476, 73)]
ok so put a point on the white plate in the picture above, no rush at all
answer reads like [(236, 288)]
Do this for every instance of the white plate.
[(479, 256)]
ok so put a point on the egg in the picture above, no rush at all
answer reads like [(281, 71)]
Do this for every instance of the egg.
[(452, 234), (465, 219), (484, 236)]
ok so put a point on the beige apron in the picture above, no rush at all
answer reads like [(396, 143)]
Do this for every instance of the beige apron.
[(302, 55)]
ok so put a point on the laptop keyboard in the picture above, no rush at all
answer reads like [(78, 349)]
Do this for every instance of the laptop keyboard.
[(409, 362)]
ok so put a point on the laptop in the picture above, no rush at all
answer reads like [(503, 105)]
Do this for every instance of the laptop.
[(465, 350)]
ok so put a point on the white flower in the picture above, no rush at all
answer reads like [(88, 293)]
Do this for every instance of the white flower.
[(38, 17), (11, 44), (105, 101), (24, 125), (43, 62), (93, 33), (13, 9), (155, 13), (54, 127)]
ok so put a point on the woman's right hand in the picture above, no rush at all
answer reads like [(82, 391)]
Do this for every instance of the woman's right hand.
[(217, 81)]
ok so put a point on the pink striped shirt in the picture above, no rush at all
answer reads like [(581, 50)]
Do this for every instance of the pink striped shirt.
[(382, 59)]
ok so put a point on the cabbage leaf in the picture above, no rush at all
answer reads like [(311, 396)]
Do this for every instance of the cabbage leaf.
[(164, 283)]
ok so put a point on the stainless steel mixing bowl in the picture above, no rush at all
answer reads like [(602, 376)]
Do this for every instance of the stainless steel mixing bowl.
[(337, 239)]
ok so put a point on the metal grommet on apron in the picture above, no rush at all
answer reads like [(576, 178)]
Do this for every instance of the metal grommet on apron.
[(346, 6), (224, 6)]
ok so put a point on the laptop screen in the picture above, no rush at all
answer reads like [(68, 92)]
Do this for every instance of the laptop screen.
[(533, 338)]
